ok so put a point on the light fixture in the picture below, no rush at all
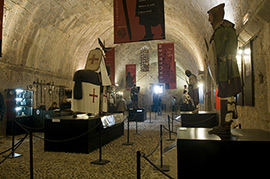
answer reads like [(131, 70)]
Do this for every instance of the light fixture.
[(158, 89), (245, 18)]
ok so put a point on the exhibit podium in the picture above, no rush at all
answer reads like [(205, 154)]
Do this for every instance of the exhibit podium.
[(206, 119), (244, 153), (68, 134)]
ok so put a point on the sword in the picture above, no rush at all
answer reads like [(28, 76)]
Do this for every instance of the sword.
[(127, 19)]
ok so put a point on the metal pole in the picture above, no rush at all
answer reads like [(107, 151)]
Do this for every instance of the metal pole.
[(138, 165), (100, 143), (31, 155), (161, 159), (169, 125), (172, 124), (128, 143)]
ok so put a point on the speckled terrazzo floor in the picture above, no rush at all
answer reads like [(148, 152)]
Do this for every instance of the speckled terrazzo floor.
[(73, 165)]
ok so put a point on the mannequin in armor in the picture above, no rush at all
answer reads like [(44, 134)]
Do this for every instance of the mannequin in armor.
[(223, 65)]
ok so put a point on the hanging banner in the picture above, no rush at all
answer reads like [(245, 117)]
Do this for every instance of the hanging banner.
[(110, 61), (130, 75), (1, 25), (166, 65), (138, 20)]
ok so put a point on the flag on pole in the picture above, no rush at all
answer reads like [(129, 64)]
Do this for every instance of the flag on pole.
[(90, 99)]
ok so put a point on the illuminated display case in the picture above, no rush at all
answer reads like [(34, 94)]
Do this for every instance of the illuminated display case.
[(20, 108)]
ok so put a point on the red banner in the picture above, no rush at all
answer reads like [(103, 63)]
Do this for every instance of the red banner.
[(1, 25), (110, 61), (217, 99), (138, 20), (130, 75), (166, 65)]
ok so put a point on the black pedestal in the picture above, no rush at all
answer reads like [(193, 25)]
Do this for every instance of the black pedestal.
[(206, 119), (138, 114), (245, 153), (67, 127)]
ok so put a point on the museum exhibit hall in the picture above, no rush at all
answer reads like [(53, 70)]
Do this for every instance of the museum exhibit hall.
[(134, 89)]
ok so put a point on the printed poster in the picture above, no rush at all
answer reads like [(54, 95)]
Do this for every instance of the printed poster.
[(166, 65), (130, 75), (138, 20)]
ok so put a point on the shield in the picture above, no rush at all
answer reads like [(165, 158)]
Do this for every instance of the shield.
[(93, 60)]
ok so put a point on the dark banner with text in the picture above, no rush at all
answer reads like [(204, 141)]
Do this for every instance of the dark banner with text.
[(138, 20), (110, 61), (166, 65), (130, 75), (1, 26)]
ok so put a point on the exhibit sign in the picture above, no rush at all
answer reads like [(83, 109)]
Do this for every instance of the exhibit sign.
[(166, 65), (130, 75), (110, 62), (138, 20)]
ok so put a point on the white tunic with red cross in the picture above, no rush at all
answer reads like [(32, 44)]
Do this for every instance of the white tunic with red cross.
[(90, 99)]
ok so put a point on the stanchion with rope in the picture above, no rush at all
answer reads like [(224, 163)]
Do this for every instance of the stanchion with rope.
[(169, 125), (100, 161), (161, 166), (128, 143), (31, 154), (138, 165), (13, 154)]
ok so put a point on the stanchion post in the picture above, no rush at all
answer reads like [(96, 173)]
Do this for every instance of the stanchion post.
[(161, 166), (172, 122), (128, 143), (138, 165), (137, 133), (13, 154), (100, 161), (170, 134), (31, 154)]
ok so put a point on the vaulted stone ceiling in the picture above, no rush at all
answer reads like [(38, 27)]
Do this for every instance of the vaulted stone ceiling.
[(56, 35)]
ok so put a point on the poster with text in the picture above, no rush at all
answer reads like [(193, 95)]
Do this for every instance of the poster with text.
[(138, 20), (1, 25), (110, 61), (130, 75), (166, 65)]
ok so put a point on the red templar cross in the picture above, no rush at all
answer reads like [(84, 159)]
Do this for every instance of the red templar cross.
[(93, 95), (105, 98), (93, 59)]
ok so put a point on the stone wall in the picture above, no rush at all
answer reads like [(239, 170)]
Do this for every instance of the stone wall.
[(258, 116)]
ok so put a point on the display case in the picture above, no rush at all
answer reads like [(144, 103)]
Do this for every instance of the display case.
[(20, 108)]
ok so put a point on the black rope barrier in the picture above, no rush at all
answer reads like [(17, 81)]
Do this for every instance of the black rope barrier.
[(141, 154), (70, 139), (13, 148)]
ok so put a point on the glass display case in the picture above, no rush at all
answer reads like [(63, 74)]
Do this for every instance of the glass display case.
[(20, 108), (24, 102)]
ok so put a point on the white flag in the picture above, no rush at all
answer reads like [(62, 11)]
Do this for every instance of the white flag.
[(90, 99)]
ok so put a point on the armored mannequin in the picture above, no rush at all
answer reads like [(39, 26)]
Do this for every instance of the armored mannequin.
[(223, 65)]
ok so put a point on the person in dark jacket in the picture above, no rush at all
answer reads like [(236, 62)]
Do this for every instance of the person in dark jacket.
[(3, 107)]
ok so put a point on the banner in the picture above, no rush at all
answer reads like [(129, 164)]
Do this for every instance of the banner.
[(1, 25), (166, 65), (90, 99), (110, 61), (138, 20), (130, 75)]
